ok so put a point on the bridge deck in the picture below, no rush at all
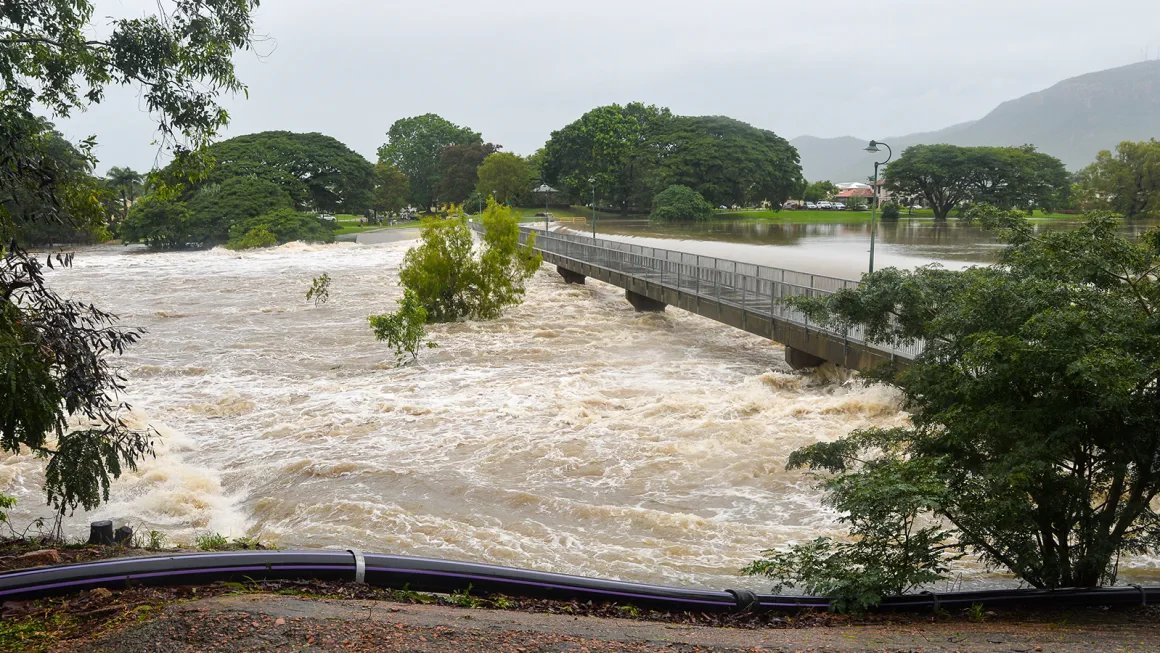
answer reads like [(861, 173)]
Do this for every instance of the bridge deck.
[(743, 295)]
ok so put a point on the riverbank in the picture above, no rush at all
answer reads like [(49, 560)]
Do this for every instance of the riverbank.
[(342, 616)]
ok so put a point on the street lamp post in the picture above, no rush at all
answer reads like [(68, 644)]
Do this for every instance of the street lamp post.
[(592, 182), (873, 149)]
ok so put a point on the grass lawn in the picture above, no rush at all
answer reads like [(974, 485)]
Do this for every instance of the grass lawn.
[(822, 217), (349, 224)]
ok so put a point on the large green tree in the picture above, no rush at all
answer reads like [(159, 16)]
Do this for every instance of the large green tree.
[(633, 152), (54, 353), (205, 216), (459, 170), (413, 146), (1126, 181), (727, 161), (680, 204), (818, 191), (610, 145), (317, 171), (1034, 435), (392, 189), (946, 176), (506, 175)]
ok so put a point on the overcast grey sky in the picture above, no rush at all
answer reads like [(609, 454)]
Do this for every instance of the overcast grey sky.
[(517, 69)]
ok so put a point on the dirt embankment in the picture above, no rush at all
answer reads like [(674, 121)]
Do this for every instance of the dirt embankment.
[(348, 617)]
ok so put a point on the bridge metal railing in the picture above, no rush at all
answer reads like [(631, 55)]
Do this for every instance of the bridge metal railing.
[(757, 289)]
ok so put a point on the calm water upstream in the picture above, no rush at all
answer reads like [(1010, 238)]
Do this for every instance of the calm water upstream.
[(839, 250), (572, 435)]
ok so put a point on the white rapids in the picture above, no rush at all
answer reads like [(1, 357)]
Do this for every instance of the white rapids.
[(572, 435)]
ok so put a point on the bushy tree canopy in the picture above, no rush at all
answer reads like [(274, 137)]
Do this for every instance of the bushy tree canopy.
[(453, 281), (316, 171), (505, 174), (1034, 436), (1127, 181), (54, 353), (283, 226), (680, 204), (459, 170), (727, 161), (1008, 177), (208, 215), (413, 146), (635, 151), (392, 189)]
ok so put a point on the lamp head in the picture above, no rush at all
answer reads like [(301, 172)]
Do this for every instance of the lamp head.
[(592, 180), (873, 149)]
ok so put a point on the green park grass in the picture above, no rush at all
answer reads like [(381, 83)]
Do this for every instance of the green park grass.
[(833, 217)]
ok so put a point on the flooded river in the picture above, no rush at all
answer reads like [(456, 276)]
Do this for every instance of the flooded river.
[(573, 435)]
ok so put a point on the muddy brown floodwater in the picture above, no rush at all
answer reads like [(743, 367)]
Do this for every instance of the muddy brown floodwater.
[(572, 435)]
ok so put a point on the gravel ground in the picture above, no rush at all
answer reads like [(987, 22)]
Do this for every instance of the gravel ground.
[(261, 622)]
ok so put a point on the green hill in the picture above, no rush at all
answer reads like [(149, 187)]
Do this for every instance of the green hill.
[(1072, 120)]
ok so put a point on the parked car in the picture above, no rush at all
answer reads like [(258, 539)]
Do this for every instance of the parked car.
[(837, 206), (810, 206), (723, 208), (790, 205)]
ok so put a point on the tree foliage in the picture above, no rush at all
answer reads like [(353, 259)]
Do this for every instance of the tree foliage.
[(680, 204), (1127, 181), (127, 185), (946, 176), (316, 171), (405, 329), (278, 227), (459, 170), (818, 191), (391, 189), (159, 223), (41, 160), (413, 146), (1035, 415), (453, 281), (635, 151), (727, 161), (54, 367), (207, 218), (505, 175), (62, 401)]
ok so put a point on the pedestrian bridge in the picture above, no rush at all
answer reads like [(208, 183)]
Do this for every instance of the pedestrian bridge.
[(742, 295)]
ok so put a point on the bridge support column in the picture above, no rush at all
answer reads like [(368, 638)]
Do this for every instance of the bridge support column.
[(800, 360), (570, 277), (644, 304)]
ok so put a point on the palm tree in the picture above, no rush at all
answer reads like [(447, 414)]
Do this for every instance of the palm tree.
[(128, 183)]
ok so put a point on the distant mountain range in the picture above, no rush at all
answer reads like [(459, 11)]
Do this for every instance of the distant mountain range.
[(1072, 120)]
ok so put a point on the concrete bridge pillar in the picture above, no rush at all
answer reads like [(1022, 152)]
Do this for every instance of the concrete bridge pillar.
[(644, 304), (570, 277), (800, 360)]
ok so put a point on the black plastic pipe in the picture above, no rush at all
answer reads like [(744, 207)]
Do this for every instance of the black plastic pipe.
[(443, 576)]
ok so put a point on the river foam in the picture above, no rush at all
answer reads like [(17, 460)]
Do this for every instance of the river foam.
[(571, 435)]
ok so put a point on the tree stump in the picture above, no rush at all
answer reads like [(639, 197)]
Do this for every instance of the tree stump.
[(124, 535), (101, 533)]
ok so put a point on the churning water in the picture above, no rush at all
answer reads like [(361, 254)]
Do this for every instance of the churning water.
[(572, 435)]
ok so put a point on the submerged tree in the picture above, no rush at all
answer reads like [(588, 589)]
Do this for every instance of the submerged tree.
[(453, 281), (447, 278), (1035, 414)]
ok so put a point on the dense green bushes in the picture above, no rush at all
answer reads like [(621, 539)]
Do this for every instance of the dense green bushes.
[(447, 278), (680, 204), (277, 227)]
